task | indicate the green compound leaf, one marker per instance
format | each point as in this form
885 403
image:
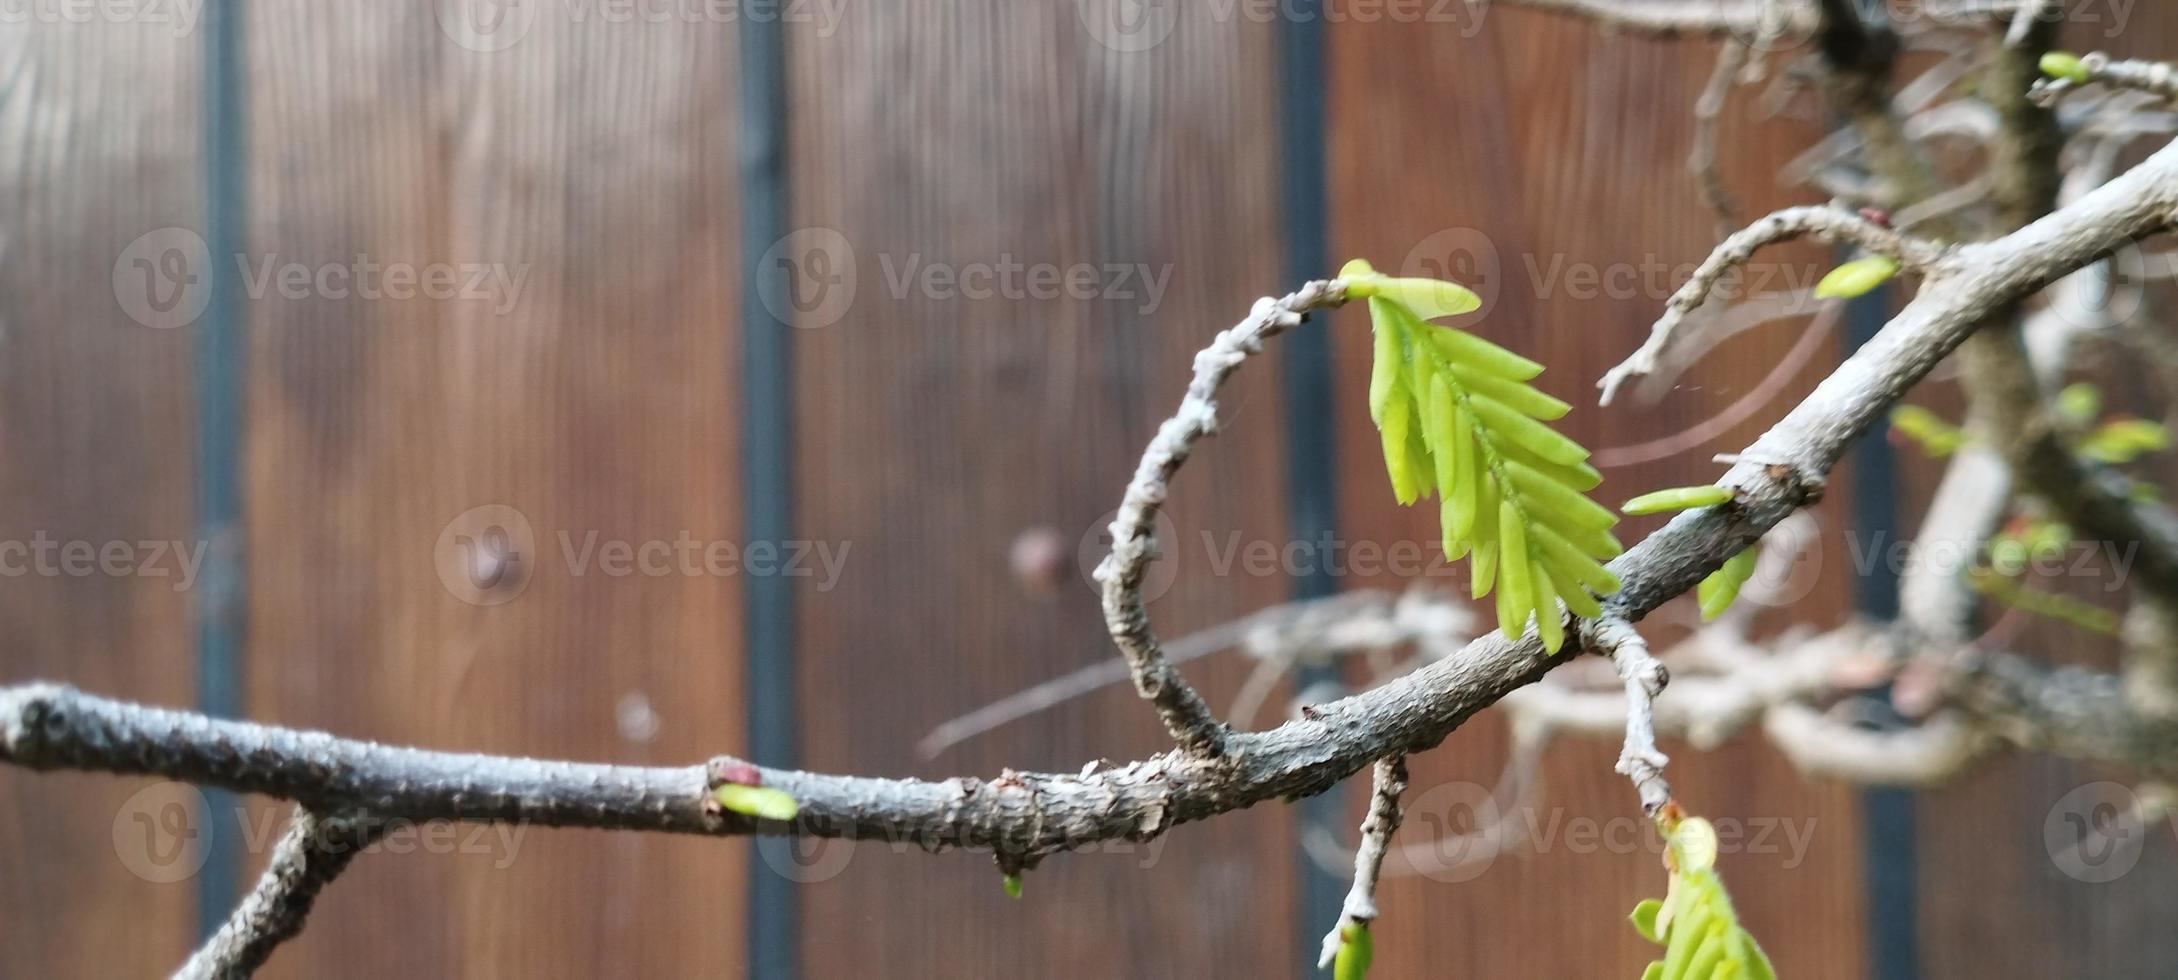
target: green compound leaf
761 802
1695 923
1856 278
1936 437
1676 498
1722 586
1459 420
2065 65
1356 951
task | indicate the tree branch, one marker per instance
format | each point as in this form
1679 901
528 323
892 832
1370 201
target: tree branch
1387 782
314 851
1134 537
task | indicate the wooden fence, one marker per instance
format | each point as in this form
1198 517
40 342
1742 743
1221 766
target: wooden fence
535 302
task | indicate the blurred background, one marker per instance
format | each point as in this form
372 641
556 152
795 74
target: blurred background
643 382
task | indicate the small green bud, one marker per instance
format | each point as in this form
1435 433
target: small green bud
1856 278
1356 952
2065 65
1676 498
1012 884
761 802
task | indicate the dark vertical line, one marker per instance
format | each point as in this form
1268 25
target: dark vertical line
220 380
1311 476
767 433
1889 871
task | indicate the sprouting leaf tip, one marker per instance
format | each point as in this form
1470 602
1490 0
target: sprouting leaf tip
1676 498
2065 65
761 802
1856 278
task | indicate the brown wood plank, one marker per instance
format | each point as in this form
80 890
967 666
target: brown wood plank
934 429
1562 150
99 120
595 160
1995 899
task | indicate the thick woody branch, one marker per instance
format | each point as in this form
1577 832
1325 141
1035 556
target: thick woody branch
315 850
1387 783
1134 535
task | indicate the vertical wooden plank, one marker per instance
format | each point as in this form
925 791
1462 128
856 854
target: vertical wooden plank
564 427
1528 155
99 117
2003 891
938 426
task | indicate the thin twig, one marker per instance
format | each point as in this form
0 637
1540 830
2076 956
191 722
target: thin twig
316 849
1387 782
1134 540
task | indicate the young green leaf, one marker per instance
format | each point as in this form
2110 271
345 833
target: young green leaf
1936 437
1695 923
1012 885
2065 65
1717 591
1856 278
1356 951
1459 419
2124 440
1676 498
761 802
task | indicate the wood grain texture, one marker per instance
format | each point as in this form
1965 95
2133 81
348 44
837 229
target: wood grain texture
1995 901
594 161
1547 162
936 428
99 125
